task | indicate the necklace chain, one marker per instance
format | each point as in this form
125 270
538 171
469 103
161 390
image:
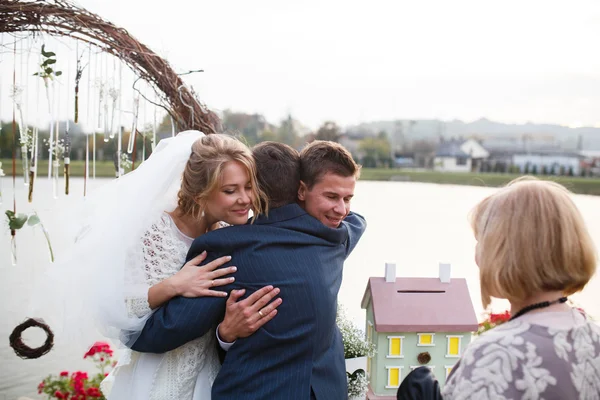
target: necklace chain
535 306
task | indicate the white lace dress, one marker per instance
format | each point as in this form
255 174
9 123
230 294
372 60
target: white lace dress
186 373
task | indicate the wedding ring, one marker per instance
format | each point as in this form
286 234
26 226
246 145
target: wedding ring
260 313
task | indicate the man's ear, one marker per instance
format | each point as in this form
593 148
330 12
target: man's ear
302 191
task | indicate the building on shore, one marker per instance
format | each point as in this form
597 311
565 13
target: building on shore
460 156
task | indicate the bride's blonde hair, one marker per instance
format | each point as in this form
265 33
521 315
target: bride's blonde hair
202 173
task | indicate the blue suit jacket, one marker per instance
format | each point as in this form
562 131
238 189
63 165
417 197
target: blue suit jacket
301 348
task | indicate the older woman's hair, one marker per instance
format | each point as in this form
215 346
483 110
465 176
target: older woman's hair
202 173
531 238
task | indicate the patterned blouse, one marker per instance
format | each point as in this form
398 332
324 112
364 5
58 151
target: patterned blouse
545 355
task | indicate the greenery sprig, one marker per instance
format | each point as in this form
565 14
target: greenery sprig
47 72
18 221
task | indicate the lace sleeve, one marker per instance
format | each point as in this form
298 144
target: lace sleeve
160 256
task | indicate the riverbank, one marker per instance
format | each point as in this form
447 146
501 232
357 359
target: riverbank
590 186
104 169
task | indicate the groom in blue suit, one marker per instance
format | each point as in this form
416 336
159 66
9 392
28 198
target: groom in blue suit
298 248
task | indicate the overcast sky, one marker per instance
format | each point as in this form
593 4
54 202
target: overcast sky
350 61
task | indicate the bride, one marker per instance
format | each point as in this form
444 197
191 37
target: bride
145 223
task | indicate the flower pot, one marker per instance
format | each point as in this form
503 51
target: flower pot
352 364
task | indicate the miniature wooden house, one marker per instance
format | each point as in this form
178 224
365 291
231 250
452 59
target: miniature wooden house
415 322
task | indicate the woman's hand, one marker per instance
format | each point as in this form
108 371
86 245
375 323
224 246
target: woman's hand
243 318
195 281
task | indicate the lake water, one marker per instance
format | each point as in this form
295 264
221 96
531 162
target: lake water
412 224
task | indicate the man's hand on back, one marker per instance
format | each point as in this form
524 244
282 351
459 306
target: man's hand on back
244 317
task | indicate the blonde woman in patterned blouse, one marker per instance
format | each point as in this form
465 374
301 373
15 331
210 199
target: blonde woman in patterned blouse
533 249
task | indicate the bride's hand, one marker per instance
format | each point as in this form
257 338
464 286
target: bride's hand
195 281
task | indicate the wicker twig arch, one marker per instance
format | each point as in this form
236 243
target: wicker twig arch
61 18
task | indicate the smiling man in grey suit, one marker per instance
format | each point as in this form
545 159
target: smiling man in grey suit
298 248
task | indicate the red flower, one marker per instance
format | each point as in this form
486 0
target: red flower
99 347
499 318
94 392
76 385
78 376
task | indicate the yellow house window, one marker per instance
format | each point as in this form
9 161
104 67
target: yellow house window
453 350
425 339
395 347
394 377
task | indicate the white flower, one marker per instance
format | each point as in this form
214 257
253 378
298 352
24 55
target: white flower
357 387
125 161
355 345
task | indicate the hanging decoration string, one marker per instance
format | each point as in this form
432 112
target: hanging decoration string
13 232
95 122
57 147
23 129
1 170
67 139
119 125
144 131
35 141
86 173
104 98
33 132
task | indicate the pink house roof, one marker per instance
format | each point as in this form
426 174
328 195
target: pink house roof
420 305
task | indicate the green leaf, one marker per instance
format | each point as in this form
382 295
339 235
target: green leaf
9 214
36 74
48 70
48 62
47 54
17 222
33 220
58 73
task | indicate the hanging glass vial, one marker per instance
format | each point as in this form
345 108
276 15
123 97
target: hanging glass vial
32 169
13 248
23 131
1 175
67 158
113 93
24 139
136 104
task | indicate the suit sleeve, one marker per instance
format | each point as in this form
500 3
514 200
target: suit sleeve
178 322
356 225
182 319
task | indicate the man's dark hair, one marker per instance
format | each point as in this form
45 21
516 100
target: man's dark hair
320 157
278 172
